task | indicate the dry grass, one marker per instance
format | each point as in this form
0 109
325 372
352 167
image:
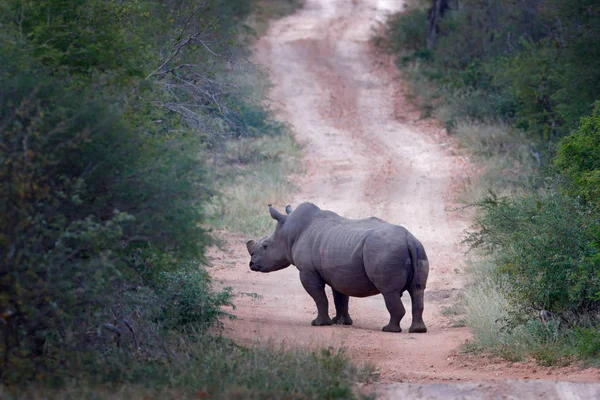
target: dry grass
266 10
505 158
490 315
263 179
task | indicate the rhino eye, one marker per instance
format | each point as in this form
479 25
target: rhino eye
264 246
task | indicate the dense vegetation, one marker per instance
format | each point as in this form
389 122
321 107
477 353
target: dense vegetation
517 82
116 121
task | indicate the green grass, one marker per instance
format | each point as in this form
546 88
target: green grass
215 368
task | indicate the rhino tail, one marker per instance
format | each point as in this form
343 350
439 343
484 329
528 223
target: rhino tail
412 249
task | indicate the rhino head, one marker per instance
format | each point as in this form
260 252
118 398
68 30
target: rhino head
269 253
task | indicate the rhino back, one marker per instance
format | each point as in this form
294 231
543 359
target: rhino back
356 257
365 257
337 255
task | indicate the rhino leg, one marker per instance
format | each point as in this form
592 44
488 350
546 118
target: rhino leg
396 310
341 308
416 296
315 286
417 326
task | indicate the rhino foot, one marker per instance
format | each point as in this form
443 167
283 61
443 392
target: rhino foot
391 328
342 320
319 321
417 328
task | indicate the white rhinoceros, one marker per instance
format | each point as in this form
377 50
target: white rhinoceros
356 258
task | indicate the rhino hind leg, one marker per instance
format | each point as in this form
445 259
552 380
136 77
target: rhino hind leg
417 326
341 308
417 299
396 310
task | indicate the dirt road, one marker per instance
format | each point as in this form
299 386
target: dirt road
367 154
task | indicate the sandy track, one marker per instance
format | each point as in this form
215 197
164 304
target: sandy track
367 154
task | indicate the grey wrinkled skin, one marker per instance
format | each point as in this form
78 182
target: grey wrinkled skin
356 258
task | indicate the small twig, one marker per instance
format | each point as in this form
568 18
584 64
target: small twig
178 48
206 47
137 346
113 329
170 70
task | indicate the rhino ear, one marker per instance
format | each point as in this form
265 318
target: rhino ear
250 244
276 215
288 209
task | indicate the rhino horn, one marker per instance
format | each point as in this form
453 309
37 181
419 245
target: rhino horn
288 209
276 215
250 244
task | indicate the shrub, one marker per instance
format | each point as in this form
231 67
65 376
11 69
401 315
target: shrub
531 64
587 342
90 206
405 32
578 158
189 302
547 244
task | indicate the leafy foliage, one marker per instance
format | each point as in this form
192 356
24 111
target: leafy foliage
189 303
578 157
409 36
531 63
547 245
102 179
82 192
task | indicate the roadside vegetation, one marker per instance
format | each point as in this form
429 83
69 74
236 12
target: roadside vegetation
518 84
129 131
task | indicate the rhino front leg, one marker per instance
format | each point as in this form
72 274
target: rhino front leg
341 308
396 310
315 286
416 297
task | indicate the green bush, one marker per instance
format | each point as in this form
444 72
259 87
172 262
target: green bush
89 207
587 342
102 191
578 158
81 37
189 303
547 244
531 64
254 120
505 326
406 33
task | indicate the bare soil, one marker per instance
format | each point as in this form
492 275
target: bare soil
369 154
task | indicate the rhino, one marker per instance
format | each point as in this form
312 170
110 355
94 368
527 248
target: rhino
355 257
